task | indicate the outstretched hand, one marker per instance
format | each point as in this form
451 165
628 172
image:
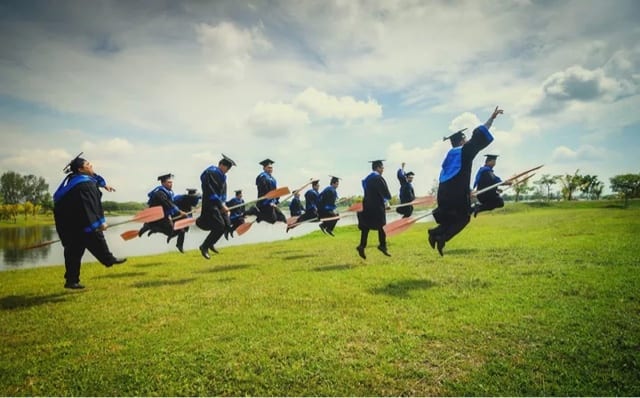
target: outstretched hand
496 112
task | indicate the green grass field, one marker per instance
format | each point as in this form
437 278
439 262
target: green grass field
529 300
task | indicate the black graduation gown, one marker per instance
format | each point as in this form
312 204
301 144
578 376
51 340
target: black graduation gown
214 193
373 214
487 178
295 207
407 194
80 208
165 225
77 215
454 193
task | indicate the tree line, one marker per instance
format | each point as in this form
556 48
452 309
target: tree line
29 194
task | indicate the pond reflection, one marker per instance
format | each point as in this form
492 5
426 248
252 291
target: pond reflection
13 239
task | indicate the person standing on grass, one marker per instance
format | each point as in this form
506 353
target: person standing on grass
374 205
163 195
267 209
236 216
454 202
327 205
484 178
186 203
79 219
407 194
215 214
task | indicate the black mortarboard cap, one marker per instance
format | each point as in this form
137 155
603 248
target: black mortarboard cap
227 161
191 191
491 157
267 162
376 163
456 137
411 173
315 182
165 177
238 192
334 179
74 164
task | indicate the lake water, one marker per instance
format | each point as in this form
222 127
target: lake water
13 239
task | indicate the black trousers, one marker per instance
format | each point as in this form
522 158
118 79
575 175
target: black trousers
74 248
406 211
328 225
308 215
364 236
450 222
494 203
270 214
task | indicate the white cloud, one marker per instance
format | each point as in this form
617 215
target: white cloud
324 105
563 154
229 49
276 119
118 146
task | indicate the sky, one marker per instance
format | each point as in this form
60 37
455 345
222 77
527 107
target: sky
146 88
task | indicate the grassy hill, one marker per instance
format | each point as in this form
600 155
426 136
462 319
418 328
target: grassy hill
528 300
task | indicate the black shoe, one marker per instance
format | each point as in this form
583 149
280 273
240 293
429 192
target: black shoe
204 252
440 245
383 249
180 248
75 286
476 210
361 252
115 261
169 238
323 229
330 232
213 249
432 241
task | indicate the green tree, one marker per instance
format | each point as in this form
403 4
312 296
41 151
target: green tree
521 189
570 183
628 185
11 187
34 189
547 181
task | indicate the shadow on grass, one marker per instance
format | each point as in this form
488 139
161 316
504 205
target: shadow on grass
12 302
147 265
402 289
459 251
223 268
336 267
163 283
298 256
122 275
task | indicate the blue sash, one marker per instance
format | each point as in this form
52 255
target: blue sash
69 183
451 165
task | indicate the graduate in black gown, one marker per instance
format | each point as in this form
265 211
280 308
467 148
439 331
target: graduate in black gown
186 203
163 195
485 177
373 215
236 216
452 213
327 205
80 221
407 193
215 214
267 209
311 198
295 207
